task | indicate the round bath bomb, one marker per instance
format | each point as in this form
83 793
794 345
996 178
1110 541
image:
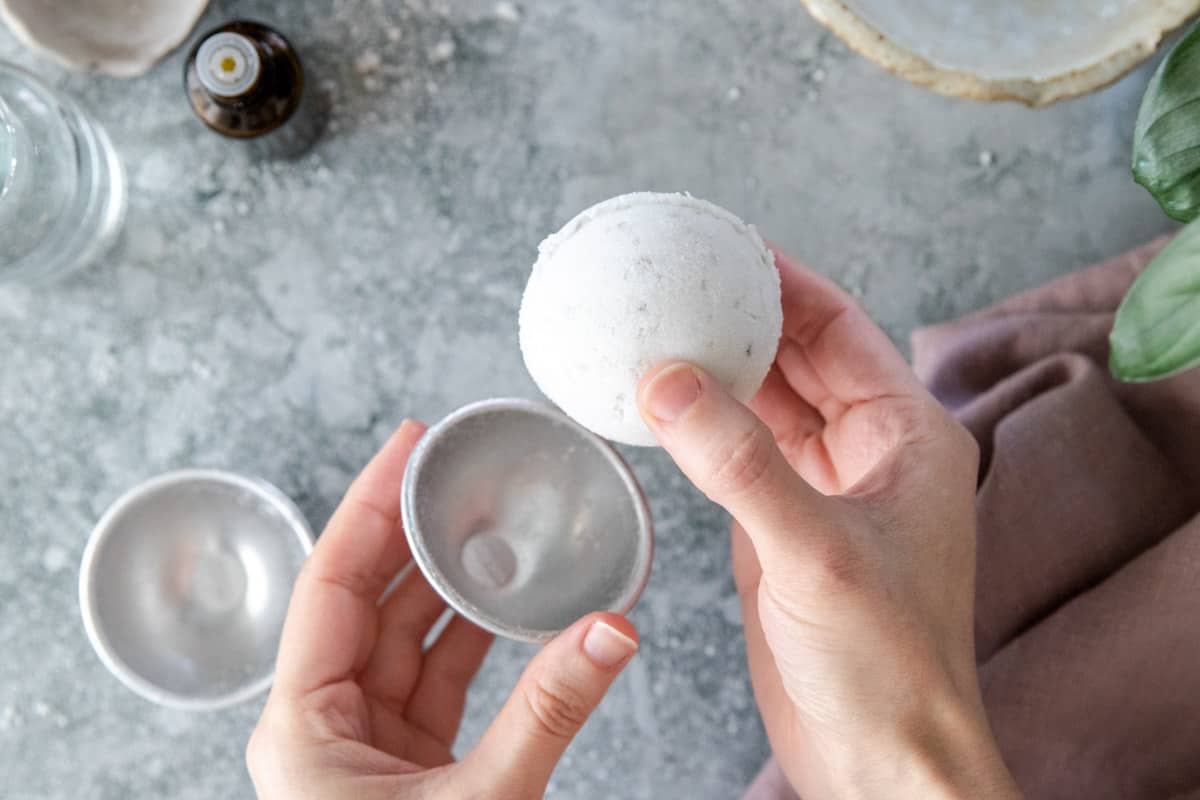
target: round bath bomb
642 279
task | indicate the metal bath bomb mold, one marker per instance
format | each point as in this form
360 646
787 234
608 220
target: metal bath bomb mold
523 520
185 584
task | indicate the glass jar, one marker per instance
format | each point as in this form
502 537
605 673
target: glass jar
62 190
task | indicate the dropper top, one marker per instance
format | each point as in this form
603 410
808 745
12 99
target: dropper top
228 64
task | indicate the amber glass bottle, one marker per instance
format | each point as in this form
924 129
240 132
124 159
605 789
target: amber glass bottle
244 79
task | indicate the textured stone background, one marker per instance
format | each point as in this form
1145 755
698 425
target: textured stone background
280 318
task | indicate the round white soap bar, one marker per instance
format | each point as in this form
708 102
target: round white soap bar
642 279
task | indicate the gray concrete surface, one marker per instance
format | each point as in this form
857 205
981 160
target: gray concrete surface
280 318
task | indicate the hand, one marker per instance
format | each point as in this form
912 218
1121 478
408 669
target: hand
360 710
854 553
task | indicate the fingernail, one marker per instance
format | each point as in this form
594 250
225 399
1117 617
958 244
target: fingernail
606 646
672 392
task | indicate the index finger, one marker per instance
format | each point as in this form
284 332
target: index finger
331 622
832 351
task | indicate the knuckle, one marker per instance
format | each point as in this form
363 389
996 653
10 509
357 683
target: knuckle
837 568
310 573
913 415
900 422
926 419
898 419
931 422
360 581
957 443
738 467
838 574
557 711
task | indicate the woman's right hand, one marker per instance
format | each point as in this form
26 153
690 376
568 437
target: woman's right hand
854 553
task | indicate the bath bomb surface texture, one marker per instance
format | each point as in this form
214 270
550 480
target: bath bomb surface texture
642 279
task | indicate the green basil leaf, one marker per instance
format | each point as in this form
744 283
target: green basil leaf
1157 330
1166 140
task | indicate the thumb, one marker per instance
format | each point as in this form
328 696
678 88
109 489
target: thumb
556 694
732 457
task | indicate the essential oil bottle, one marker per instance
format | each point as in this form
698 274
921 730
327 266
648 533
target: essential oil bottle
244 80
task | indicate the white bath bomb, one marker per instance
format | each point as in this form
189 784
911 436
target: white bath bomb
642 279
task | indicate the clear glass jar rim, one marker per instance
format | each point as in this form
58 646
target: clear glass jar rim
8 135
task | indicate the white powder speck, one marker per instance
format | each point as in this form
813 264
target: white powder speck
734 94
8 718
15 303
507 12
40 708
155 172
201 369
55 559
394 34
819 75
443 51
710 650
372 83
986 158
368 62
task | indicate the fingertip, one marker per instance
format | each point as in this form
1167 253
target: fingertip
578 629
661 368
618 623
609 641
668 391
649 375
784 261
556 694
410 429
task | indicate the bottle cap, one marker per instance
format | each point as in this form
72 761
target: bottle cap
228 64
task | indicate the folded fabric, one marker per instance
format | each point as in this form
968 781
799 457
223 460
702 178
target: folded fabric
1088 593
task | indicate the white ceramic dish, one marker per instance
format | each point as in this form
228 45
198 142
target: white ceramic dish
117 37
1032 51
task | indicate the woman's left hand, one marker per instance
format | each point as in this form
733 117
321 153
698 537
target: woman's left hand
361 710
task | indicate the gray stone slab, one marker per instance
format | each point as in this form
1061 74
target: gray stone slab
280 319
